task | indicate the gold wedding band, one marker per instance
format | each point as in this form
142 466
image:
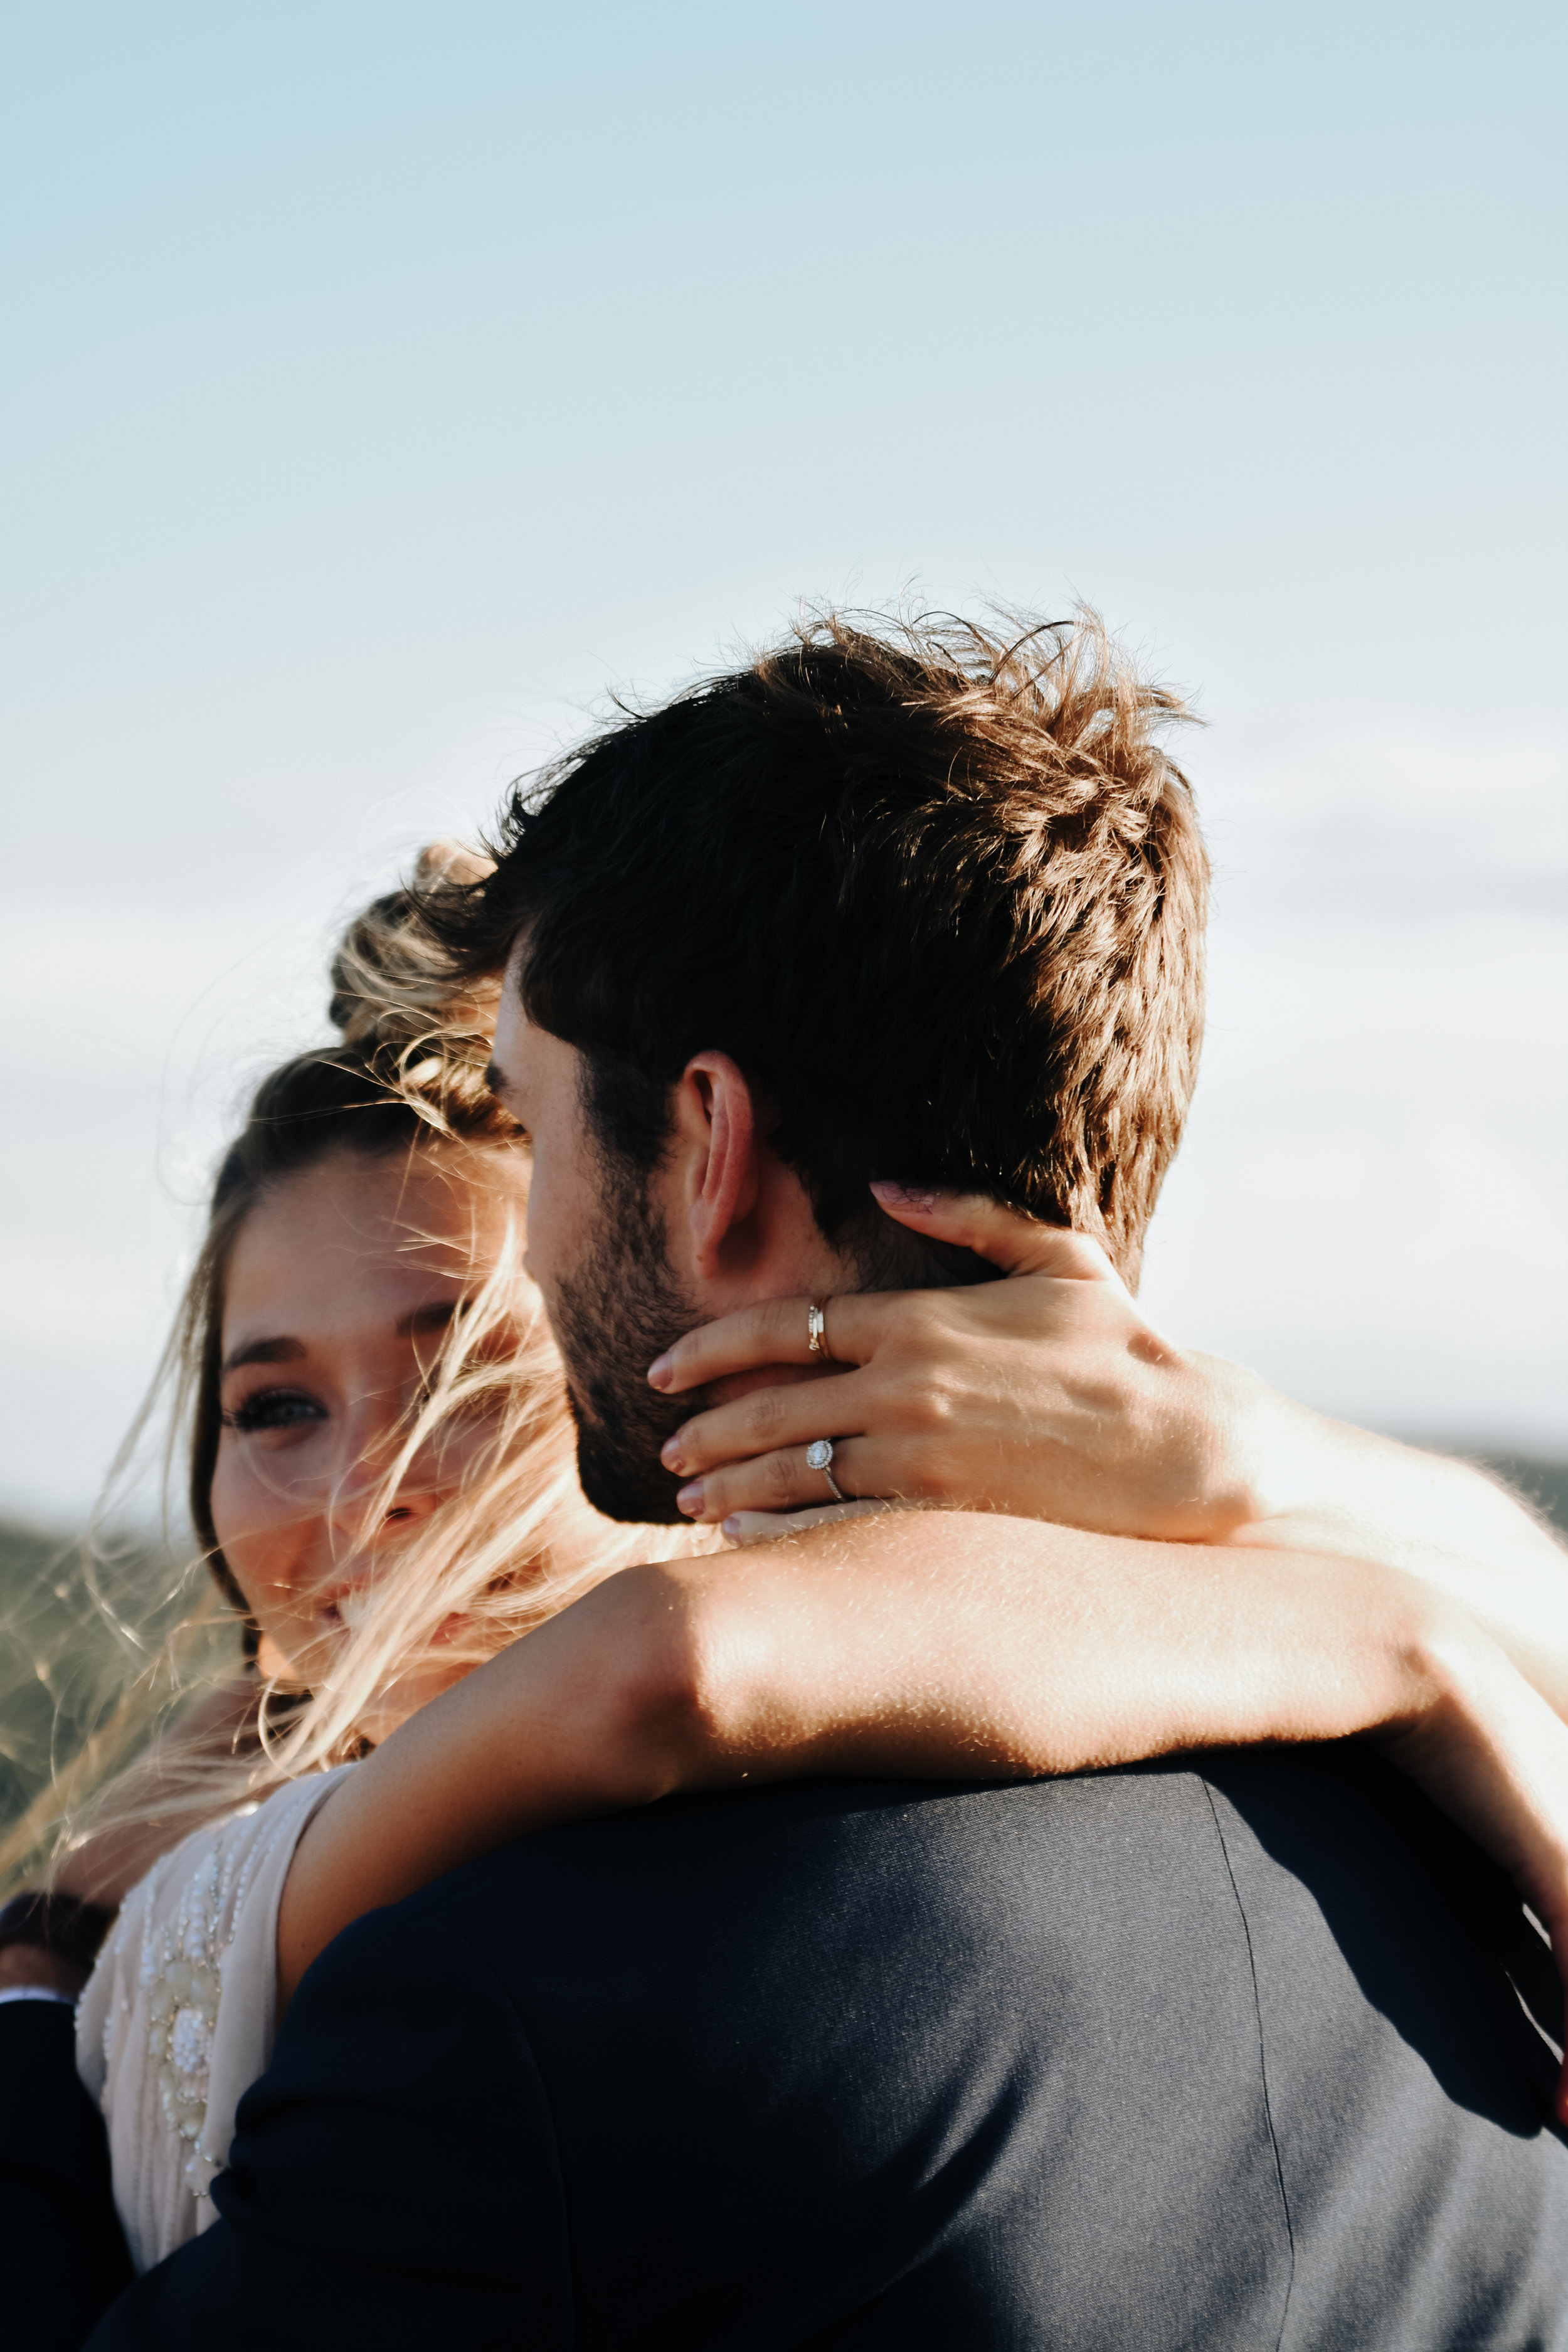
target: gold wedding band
816 1332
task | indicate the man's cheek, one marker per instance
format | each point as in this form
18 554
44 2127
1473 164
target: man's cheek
558 1220
537 1257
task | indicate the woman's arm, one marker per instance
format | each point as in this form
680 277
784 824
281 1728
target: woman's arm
27 1968
1049 1395
929 1644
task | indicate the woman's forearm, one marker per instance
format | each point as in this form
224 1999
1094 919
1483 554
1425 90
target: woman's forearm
919 1643
591 1712
1359 1497
1050 1396
996 1648
926 1642
1334 1488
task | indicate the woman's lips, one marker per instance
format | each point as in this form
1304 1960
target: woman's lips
349 1612
346 1613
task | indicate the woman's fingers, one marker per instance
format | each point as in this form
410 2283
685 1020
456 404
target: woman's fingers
778 1331
764 1420
774 1331
786 1481
1005 1237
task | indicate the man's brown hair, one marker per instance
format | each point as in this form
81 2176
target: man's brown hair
934 886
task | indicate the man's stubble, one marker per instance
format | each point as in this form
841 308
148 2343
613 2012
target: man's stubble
619 1310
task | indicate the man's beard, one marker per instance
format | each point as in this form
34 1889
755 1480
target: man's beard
620 1309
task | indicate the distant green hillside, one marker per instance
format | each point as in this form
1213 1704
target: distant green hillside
64 1667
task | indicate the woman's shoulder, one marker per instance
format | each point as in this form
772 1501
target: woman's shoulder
177 2017
202 1882
178 1921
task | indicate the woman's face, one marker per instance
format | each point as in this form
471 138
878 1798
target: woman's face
341 1285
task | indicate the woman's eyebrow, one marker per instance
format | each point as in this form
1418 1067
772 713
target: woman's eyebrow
433 1317
264 1351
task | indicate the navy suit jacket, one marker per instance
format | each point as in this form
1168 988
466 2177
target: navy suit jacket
62 2256
1230 2051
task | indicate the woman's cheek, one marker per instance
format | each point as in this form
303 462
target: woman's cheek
257 1536
447 1462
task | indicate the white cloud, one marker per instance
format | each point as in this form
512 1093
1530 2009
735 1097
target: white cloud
1370 1202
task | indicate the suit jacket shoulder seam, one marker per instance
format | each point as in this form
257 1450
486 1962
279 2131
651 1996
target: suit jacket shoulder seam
1262 2058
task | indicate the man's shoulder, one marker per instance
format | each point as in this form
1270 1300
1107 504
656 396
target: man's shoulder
1307 1896
1117 2045
1139 1829
764 1852
1028 1924
1091 1852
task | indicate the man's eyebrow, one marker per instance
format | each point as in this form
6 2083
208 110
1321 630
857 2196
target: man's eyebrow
496 1079
264 1351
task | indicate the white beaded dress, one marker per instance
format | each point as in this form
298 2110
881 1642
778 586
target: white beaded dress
178 2019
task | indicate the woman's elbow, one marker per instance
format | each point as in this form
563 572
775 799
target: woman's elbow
676 1679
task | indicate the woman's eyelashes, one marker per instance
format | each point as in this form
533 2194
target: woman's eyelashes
272 1408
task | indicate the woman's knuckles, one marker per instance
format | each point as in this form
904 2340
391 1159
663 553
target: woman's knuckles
737 1489
761 1414
781 1477
779 1327
688 1362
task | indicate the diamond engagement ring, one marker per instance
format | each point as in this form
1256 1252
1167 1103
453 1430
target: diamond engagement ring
819 1457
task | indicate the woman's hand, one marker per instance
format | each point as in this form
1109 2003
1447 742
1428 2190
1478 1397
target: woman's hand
25 1968
1051 1396
1047 1396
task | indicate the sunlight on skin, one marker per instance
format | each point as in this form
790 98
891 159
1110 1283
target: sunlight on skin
763 1240
342 1283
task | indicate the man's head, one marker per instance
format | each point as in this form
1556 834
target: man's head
911 901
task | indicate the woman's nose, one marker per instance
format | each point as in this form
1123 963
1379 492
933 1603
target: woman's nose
361 1506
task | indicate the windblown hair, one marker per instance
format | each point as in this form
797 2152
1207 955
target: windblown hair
937 889
408 1077
409 1071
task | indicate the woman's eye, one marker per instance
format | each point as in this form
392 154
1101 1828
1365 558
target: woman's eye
272 1408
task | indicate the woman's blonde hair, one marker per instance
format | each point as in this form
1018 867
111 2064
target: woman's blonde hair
407 1078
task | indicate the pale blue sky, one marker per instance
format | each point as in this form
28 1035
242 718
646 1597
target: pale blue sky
384 382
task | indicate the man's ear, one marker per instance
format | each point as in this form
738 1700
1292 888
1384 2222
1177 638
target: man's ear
715 1124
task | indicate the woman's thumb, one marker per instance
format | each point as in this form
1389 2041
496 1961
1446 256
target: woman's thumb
1003 1236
